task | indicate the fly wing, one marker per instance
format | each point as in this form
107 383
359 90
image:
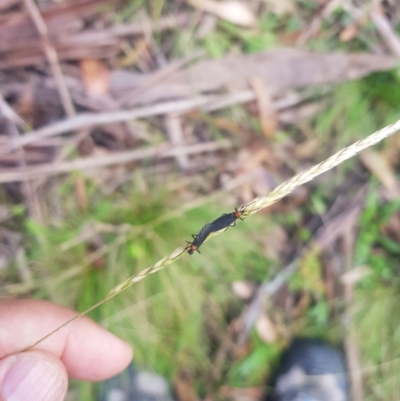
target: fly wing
202 235
223 222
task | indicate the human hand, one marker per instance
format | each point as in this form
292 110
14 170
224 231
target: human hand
83 350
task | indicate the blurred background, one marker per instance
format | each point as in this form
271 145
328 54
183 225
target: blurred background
125 126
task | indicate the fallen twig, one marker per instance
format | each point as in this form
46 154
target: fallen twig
175 133
8 112
91 120
90 43
386 30
162 151
51 56
318 20
120 31
12 119
208 103
349 279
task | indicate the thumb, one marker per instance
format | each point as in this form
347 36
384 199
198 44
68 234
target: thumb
33 375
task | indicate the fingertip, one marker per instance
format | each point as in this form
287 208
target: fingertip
33 375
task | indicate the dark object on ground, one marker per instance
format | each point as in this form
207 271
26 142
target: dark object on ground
133 385
310 370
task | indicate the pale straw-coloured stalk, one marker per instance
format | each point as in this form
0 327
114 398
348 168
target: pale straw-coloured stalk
250 208
307 175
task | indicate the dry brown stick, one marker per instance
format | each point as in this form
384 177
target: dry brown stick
12 119
63 154
208 103
51 56
120 31
317 21
174 128
8 112
46 170
351 342
90 120
106 36
386 30
349 279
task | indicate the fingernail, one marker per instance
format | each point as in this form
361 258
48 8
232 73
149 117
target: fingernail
31 378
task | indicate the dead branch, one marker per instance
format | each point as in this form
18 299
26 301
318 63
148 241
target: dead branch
12 119
91 120
120 31
174 128
21 52
386 31
8 112
51 56
207 103
158 152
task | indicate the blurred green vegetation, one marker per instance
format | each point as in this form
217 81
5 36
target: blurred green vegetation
167 316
